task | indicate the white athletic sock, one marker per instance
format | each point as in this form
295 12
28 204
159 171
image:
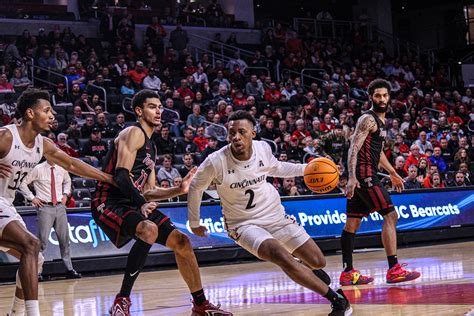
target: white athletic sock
18 307
32 308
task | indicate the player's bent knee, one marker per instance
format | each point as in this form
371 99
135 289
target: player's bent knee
147 231
31 246
320 263
352 224
276 254
316 263
391 217
179 241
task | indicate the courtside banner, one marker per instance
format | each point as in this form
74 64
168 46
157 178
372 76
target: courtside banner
321 216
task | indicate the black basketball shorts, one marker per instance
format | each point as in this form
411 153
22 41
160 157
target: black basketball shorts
119 222
367 200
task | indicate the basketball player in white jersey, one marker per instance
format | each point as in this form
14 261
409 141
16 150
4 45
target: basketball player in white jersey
254 215
21 148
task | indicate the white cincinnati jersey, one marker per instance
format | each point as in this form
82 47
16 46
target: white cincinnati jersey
246 196
22 160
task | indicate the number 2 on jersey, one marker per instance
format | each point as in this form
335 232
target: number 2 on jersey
19 176
250 202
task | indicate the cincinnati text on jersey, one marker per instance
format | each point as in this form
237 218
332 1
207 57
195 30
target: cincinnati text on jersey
245 183
24 164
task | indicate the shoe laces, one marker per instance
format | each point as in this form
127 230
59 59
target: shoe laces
400 269
125 304
211 306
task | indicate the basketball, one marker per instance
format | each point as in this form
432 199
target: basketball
321 175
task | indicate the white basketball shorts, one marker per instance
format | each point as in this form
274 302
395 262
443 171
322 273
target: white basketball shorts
8 214
290 235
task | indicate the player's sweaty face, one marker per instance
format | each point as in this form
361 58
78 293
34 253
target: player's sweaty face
43 115
152 111
241 133
380 99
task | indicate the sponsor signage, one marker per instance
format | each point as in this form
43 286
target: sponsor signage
322 217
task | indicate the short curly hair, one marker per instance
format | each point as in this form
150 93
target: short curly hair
138 99
377 84
242 115
29 99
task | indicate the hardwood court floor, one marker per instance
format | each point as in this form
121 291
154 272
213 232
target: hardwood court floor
446 287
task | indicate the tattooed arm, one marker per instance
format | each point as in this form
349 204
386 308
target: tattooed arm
365 125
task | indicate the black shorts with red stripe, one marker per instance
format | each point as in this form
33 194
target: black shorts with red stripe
119 222
369 198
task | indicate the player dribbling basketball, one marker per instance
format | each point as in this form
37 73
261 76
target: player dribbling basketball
254 215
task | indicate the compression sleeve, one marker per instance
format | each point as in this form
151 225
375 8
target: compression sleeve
124 183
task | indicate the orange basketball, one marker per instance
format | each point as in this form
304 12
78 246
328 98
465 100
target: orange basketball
321 175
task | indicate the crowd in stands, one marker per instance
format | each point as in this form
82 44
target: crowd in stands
430 141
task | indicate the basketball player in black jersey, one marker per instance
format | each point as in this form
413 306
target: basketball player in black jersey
128 212
364 192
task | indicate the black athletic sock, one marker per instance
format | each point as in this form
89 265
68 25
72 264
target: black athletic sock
347 246
135 262
392 261
332 296
320 273
199 297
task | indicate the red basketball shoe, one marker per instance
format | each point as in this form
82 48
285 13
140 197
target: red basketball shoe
121 306
397 274
209 309
354 277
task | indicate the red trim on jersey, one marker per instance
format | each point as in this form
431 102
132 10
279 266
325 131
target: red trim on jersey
379 192
103 218
115 217
164 219
374 198
111 225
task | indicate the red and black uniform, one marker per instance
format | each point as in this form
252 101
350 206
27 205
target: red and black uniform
372 196
116 214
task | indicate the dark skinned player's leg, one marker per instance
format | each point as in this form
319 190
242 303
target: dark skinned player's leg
313 258
389 237
15 236
187 263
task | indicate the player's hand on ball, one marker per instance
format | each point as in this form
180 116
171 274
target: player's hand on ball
351 185
148 208
5 171
200 231
187 180
397 182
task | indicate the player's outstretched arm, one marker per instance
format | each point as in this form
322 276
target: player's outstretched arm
204 176
154 193
365 125
73 165
281 169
